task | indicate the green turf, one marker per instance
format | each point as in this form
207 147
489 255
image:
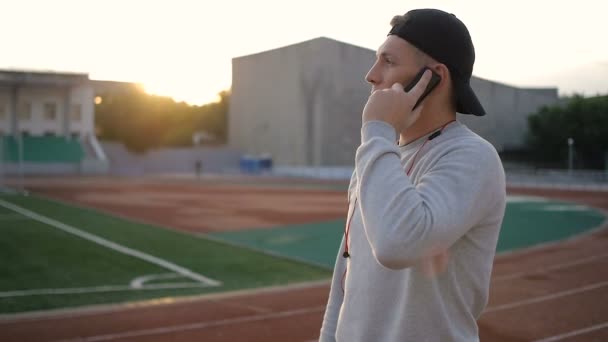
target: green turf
316 242
530 223
526 224
4 211
35 256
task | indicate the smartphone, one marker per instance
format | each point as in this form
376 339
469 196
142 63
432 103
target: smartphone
435 78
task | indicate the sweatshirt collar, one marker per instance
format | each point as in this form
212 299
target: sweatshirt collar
418 142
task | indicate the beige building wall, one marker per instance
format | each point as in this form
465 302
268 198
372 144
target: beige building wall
506 123
342 94
266 114
302 104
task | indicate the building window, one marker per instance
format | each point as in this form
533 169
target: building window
25 110
2 110
75 135
50 111
49 134
76 112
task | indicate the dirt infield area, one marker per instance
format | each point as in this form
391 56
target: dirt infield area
556 292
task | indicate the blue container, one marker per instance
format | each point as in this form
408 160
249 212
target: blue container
266 162
245 164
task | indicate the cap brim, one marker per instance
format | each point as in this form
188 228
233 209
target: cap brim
466 100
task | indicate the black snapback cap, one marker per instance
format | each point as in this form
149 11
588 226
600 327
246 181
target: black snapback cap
444 37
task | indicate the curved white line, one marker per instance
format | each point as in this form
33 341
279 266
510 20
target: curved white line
138 282
112 245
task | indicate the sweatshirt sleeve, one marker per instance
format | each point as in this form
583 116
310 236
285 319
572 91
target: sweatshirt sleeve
334 303
403 222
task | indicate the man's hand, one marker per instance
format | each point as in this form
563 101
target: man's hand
394 105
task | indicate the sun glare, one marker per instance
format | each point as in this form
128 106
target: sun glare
193 95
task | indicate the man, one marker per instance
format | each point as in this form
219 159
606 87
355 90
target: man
424 214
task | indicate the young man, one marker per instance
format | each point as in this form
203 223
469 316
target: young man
424 214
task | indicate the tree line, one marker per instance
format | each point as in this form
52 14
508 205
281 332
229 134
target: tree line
143 121
584 120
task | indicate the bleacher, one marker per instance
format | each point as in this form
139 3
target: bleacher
41 149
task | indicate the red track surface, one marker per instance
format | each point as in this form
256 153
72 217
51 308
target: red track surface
559 291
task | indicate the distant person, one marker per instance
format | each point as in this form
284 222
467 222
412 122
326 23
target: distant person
198 165
425 212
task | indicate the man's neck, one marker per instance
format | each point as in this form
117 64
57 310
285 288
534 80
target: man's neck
426 124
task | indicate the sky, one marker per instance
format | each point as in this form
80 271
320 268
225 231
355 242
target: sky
183 49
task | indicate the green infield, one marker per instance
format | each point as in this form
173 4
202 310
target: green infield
528 221
53 255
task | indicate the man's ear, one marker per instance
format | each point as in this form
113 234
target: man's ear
444 72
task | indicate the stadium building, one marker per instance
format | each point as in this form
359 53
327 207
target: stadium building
302 104
47 123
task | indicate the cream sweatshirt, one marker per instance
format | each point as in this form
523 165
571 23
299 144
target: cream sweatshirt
454 199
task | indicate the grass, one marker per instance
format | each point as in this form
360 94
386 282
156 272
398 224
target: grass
34 255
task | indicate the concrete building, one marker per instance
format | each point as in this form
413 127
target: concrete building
506 123
46 103
302 104
47 127
47 123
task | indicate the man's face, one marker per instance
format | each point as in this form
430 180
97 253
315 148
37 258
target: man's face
396 62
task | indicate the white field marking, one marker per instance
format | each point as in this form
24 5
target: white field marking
200 325
551 268
97 289
564 207
524 199
99 309
546 297
574 333
112 245
138 282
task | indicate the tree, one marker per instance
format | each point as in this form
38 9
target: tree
583 119
142 121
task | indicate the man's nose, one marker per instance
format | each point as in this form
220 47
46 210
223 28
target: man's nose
372 76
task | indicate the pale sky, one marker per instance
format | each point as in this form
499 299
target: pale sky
184 48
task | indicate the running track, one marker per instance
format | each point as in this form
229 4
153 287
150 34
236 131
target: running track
557 292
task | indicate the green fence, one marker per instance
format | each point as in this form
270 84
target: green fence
45 149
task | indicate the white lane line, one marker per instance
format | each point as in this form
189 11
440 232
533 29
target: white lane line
574 333
101 309
200 325
551 268
112 245
546 297
97 289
